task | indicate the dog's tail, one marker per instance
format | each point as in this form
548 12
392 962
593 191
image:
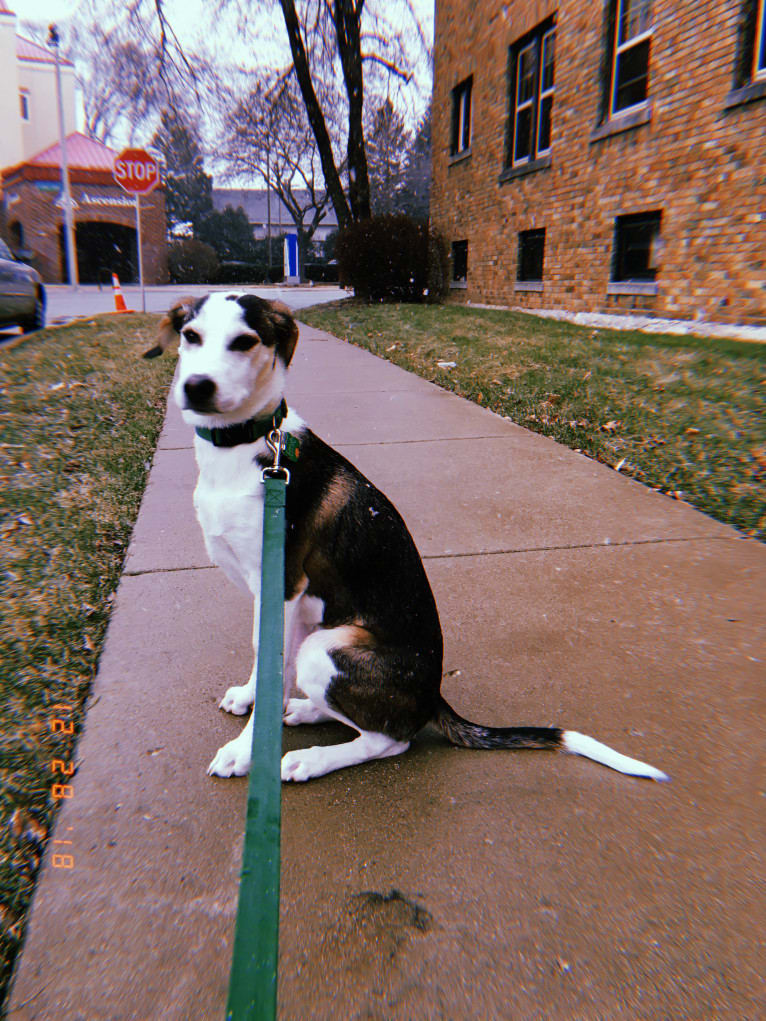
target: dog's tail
472 735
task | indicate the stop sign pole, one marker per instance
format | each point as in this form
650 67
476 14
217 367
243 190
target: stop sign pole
137 173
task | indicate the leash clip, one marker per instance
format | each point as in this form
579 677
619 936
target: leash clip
274 441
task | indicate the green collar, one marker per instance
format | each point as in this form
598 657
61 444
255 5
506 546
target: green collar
244 432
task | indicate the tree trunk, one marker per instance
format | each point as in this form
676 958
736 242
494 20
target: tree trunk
314 112
347 17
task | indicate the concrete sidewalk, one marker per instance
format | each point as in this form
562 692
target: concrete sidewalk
444 884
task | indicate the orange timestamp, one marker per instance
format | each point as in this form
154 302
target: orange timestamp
62 769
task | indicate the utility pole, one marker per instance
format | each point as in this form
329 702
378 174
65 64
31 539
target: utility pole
71 250
268 212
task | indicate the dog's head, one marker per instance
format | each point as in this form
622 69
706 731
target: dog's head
234 351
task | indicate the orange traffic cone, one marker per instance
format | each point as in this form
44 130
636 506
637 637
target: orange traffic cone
119 301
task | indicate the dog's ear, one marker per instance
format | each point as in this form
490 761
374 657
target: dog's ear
285 330
170 325
272 321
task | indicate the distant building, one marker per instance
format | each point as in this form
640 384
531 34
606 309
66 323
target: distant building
31 211
105 217
604 155
28 104
255 204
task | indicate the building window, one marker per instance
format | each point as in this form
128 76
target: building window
636 247
630 54
459 262
750 65
759 50
461 117
531 90
24 102
531 252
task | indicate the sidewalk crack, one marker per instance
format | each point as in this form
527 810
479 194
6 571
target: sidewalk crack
581 545
169 570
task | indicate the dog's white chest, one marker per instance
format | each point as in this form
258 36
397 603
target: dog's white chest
229 505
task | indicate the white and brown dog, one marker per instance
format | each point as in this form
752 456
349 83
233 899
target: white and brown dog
363 642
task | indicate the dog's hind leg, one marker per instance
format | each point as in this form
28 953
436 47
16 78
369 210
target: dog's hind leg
306 763
316 670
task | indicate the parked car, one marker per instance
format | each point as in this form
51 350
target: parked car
22 295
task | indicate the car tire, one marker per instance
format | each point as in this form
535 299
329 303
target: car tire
37 320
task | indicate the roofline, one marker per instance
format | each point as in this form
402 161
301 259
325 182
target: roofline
77 175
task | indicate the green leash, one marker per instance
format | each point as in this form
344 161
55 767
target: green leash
253 980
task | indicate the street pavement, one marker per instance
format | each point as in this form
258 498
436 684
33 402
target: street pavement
64 303
445 883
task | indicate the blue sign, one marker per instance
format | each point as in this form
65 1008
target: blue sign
291 256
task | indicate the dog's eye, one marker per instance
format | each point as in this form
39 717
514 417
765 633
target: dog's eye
243 342
192 337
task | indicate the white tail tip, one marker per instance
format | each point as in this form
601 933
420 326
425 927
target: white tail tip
581 744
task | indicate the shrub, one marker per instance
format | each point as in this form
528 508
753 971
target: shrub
241 273
392 258
229 233
321 273
192 262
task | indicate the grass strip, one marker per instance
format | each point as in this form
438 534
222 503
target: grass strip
80 413
683 415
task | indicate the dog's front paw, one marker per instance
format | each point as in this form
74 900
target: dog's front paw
237 700
233 759
298 765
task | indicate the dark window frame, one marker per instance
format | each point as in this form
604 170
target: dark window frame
459 256
759 49
536 42
530 254
749 79
462 125
629 244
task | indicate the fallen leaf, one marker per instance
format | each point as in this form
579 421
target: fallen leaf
620 464
24 826
610 427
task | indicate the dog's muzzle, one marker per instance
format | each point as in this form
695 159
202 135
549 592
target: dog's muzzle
200 393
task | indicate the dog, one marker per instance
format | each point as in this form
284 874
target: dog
363 641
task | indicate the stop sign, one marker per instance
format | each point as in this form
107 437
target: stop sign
136 171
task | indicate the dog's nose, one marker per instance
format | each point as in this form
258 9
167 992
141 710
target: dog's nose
199 391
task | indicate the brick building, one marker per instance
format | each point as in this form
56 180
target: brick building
105 217
604 155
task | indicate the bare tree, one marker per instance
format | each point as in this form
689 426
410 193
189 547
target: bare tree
336 47
353 34
267 135
127 69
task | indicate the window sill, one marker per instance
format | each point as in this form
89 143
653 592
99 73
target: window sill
459 157
647 287
747 94
511 173
623 122
529 285
458 285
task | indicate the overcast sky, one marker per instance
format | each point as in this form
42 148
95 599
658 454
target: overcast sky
182 12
